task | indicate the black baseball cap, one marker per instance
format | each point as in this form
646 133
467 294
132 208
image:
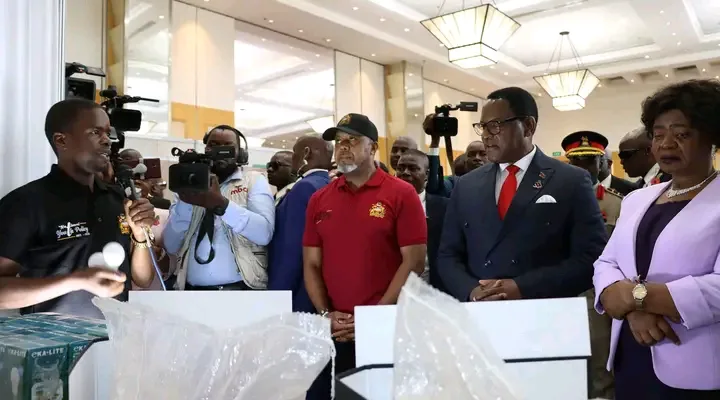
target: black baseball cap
353 124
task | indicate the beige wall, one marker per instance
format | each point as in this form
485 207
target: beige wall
610 112
84 35
202 76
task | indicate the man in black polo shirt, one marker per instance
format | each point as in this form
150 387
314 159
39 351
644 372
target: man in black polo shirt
52 225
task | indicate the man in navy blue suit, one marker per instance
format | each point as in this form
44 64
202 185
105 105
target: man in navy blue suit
311 159
524 226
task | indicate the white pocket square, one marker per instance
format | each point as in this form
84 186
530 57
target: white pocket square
546 198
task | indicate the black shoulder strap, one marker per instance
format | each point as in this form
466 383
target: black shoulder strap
207 227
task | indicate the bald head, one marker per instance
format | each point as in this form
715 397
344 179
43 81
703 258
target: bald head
129 155
635 153
312 152
399 147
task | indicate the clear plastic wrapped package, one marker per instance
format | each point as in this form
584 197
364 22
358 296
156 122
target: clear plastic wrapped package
161 356
441 354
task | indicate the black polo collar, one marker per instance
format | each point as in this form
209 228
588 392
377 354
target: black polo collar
64 184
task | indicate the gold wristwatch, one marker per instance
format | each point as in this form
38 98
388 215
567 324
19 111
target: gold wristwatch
639 292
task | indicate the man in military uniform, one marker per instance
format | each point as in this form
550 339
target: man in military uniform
586 149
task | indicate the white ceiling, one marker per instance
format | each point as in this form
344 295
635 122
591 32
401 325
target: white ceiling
625 42
637 39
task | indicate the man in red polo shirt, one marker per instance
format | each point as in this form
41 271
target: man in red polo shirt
364 233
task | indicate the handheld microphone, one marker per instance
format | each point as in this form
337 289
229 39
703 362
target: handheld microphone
125 176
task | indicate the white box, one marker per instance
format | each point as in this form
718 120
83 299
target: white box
545 342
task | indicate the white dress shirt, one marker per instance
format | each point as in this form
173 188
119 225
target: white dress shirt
607 182
647 179
426 272
502 174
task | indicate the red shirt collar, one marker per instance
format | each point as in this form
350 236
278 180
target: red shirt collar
375 180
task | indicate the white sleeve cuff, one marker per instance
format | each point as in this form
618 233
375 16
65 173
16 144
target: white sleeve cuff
433 151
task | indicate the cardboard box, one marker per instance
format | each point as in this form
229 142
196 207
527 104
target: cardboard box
38 352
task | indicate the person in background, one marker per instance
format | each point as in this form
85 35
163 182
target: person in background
364 233
311 159
476 155
638 160
155 187
526 226
610 181
413 169
586 150
219 235
399 147
659 275
166 262
280 173
53 225
459 166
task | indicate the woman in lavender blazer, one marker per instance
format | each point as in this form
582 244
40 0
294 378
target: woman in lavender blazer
659 275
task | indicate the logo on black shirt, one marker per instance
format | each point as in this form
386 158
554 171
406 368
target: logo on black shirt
72 230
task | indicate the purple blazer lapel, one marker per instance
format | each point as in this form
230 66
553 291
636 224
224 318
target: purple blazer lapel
640 200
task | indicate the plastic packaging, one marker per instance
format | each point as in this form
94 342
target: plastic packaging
440 353
161 356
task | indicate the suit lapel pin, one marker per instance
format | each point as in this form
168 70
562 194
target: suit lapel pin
538 185
542 175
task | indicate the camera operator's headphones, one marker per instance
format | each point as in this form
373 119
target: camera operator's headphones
242 156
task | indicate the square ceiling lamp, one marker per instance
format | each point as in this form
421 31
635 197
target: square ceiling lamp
568 89
474 35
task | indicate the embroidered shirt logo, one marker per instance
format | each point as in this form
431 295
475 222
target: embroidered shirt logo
377 210
123 224
72 230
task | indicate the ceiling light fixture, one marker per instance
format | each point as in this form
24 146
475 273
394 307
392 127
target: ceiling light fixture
207 1
667 75
328 40
703 70
300 31
472 89
668 24
679 43
632 80
662 12
410 74
674 33
355 8
472 36
317 55
407 29
270 21
445 80
568 89
162 17
372 55
646 57
319 125
505 73
600 85
382 19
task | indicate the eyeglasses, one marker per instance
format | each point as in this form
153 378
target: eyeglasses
626 154
493 127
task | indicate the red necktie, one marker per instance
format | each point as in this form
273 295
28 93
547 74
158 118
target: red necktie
507 192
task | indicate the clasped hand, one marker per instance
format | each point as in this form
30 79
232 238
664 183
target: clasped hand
496 289
210 199
647 328
342 326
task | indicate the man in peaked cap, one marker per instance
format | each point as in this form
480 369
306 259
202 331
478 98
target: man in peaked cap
586 149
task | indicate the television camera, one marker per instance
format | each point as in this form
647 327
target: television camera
192 172
445 125
121 120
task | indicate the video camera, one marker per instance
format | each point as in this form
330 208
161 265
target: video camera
445 125
121 120
192 172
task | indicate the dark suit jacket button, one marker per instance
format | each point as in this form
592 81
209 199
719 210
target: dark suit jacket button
466 225
487 263
514 262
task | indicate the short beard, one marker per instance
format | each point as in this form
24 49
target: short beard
223 170
347 168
